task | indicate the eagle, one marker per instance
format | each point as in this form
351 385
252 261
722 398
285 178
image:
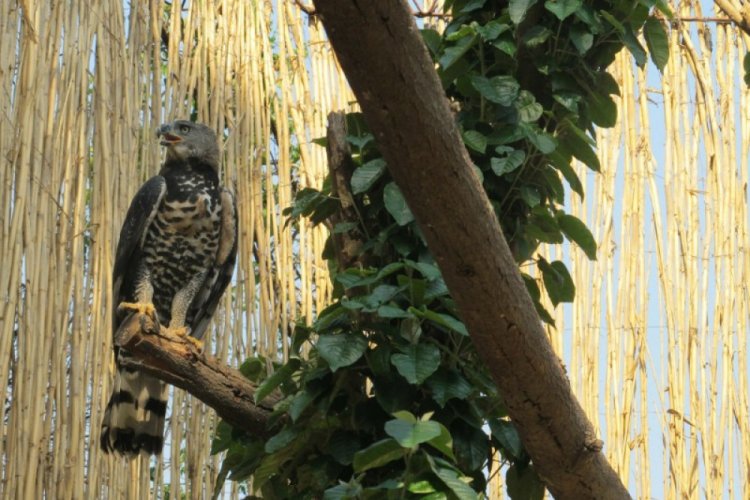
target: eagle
175 257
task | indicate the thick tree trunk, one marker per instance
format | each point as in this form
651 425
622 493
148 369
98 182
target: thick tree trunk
393 77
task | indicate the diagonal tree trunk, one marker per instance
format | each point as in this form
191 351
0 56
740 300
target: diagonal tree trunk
388 67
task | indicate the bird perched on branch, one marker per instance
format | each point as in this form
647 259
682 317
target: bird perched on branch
175 258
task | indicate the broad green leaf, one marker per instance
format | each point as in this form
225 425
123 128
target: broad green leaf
617 25
528 109
280 440
524 484
542 141
441 319
509 163
530 195
562 8
557 281
378 454
473 5
432 39
455 52
471 445
492 30
448 384
409 434
577 231
341 350
475 140
656 40
635 47
582 38
518 8
343 491
421 487
455 482
222 437
502 90
252 368
464 30
536 36
396 204
386 311
277 378
443 442
365 176
507 435
417 362
579 145
301 401
602 110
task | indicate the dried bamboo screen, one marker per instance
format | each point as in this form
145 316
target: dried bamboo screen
655 343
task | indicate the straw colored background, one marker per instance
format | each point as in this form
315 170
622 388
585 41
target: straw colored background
655 344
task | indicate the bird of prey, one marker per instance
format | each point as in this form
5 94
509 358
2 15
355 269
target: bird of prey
175 258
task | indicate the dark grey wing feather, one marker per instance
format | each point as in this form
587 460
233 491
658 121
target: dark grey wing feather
207 299
141 213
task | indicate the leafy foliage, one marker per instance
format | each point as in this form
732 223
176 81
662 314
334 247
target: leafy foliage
392 400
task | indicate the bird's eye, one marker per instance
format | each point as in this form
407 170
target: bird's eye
184 129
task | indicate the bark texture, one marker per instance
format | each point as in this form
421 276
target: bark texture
392 75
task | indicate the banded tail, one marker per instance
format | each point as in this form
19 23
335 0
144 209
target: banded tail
133 422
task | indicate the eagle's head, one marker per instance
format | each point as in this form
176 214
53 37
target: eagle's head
187 140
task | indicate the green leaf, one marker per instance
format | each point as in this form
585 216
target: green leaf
557 281
509 163
277 378
542 141
562 8
432 39
617 25
448 384
341 350
518 8
582 38
492 30
443 442
343 491
528 109
252 368
281 440
657 42
396 204
475 140
635 47
577 231
530 195
536 36
455 482
502 90
473 5
378 454
507 435
387 311
602 110
524 484
222 438
578 144
471 445
365 176
300 402
417 362
421 487
454 53
410 435
441 319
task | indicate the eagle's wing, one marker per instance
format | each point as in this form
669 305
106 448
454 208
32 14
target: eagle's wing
141 213
217 279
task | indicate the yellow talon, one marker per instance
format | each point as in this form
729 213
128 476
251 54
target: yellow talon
140 307
184 333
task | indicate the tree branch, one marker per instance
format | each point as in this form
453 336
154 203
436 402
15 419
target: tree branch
179 362
406 108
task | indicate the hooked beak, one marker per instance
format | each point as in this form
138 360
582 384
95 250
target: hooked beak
167 137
